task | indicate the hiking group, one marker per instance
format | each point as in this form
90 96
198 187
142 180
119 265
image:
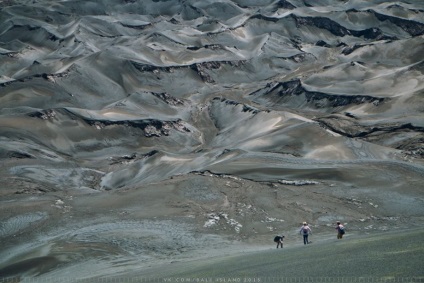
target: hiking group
305 231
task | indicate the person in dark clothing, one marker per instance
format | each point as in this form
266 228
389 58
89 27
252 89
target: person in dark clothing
305 231
340 230
279 240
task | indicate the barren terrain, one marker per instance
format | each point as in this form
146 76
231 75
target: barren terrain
138 134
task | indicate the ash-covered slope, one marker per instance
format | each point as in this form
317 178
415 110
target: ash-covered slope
124 121
84 83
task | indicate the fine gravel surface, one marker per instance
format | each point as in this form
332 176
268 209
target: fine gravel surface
381 257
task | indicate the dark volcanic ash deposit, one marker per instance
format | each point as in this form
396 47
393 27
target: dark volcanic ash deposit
220 123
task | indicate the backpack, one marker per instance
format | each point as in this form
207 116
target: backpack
277 238
305 230
341 230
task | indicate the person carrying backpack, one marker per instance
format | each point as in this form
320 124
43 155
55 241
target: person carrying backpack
279 240
305 231
340 230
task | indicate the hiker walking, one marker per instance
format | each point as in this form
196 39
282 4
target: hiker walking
305 231
340 230
279 240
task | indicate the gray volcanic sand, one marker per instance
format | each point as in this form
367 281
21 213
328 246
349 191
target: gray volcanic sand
384 257
139 134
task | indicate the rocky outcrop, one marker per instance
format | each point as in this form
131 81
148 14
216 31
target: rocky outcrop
412 27
339 30
402 136
284 4
352 129
150 127
246 108
294 88
202 69
169 99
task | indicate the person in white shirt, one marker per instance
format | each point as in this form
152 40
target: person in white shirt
305 231
340 230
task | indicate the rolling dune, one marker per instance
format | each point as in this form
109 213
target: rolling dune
138 133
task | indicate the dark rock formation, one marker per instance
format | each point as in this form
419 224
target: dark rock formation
349 49
201 70
169 99
322 43
339 30
246 108
19 155
379 134
412 27
323 23
289 89
150 127
43 114
284 4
